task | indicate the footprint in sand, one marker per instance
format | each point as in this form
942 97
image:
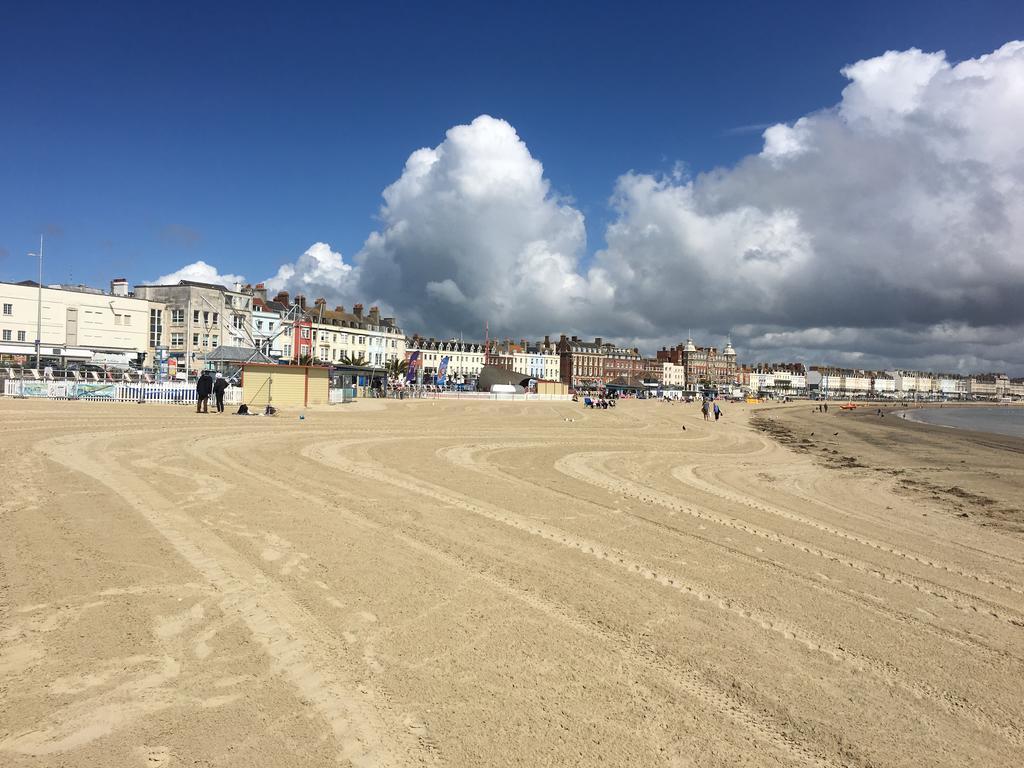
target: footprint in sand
153 757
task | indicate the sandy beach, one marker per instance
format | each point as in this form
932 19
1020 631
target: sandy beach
507 584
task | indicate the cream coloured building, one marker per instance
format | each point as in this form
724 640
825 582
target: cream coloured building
465 358
673 375
80 324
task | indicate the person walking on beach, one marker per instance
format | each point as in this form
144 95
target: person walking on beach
204 386
718 412
704 410
219 385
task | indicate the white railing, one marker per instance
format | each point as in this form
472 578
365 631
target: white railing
492 396
170 392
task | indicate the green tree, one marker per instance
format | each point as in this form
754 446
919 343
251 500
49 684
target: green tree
397 367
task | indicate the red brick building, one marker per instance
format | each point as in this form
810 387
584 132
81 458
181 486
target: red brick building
704 365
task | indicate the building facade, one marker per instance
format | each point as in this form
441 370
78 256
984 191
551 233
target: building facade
79 324
705 366
465 358
199 317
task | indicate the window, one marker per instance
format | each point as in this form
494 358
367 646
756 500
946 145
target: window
305 349
7 334
127 319
304 333
21 336
270 325
287 350
177 316
117 319
238 321
206 339
195 339
215 341
259 325
195 315
156 327
8 309
177 339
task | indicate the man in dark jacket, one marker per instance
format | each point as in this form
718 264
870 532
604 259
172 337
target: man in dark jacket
203 389
219 385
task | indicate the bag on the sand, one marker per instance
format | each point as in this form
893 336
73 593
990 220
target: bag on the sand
243 410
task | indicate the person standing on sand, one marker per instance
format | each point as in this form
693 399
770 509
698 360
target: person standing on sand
718 412
704 410
219 385
204 386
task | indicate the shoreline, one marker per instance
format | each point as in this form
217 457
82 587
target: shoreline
957 470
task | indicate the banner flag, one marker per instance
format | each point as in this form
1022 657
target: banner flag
414 361
442 371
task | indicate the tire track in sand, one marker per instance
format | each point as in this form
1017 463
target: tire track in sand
689 681
887 673
301 650
688 475
575 465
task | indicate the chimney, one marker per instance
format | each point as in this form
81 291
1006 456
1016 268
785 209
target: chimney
547 341
357 310
575 338
300 300
238 287
119 287
522 344
375 315
598 341
340 309
260 291
283 298
321 302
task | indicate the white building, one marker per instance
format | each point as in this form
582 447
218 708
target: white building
536 363
856 383
79 324
673 375
465 358
884 385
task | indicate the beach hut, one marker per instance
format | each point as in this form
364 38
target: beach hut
284 385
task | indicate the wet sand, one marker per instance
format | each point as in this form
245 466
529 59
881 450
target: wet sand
489 584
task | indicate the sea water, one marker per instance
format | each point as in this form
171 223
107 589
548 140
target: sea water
999 421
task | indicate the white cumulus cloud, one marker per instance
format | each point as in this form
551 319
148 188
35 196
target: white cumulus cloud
200 272
888 227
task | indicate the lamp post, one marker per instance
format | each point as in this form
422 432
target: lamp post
39 308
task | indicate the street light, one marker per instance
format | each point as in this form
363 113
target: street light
39 308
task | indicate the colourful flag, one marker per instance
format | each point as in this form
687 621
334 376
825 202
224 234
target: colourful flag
414 361
442 371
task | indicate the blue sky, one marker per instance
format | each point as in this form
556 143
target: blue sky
143 136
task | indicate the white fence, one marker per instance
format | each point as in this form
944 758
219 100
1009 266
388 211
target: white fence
171 392
491 396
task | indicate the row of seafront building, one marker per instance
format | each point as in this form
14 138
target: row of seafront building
198 325
791 379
